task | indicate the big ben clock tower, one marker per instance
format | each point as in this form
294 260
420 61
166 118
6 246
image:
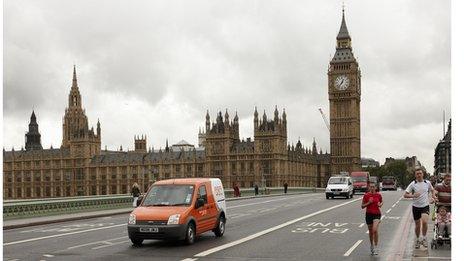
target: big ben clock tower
344 81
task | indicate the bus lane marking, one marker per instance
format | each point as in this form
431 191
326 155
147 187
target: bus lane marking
269 230
334 228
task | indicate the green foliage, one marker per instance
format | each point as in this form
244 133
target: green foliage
397 169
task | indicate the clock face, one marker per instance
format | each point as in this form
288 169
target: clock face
342 82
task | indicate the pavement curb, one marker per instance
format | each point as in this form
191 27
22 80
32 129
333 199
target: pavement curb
123 211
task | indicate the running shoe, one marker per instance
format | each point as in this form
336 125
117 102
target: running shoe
425 243
372 250
375 251
418 243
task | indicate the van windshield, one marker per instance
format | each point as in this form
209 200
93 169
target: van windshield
337 180
359 179
169 195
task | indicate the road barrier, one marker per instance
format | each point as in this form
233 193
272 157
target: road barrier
13 209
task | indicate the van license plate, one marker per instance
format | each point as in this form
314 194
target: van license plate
336 193
149 229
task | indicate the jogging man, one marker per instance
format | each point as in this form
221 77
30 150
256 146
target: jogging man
419 190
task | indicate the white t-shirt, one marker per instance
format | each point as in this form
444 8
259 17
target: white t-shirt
423 188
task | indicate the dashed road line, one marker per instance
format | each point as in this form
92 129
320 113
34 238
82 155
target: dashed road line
96 242
348 253
60 235
109 244
267 201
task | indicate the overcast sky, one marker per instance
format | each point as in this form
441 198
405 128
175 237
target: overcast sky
155 67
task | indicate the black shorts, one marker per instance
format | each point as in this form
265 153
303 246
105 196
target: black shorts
417 212
370 218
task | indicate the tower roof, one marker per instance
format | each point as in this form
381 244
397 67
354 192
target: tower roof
74 81
33 118
343 33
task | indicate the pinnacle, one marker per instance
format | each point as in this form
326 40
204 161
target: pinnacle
343 33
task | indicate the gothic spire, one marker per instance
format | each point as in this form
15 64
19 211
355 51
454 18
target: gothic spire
74 83
343 33
33 118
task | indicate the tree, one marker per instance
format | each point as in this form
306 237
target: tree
397 169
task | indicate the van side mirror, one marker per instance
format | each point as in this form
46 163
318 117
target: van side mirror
200 203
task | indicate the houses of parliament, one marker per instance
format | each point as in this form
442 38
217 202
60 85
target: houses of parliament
80 167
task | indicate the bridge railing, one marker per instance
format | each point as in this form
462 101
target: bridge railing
13 209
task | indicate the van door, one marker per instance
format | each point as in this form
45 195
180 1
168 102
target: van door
204 215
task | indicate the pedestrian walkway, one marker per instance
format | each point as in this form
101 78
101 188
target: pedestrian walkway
441 253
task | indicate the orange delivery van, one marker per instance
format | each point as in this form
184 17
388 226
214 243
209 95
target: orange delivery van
179 209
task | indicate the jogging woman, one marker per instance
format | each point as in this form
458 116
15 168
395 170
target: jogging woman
372 201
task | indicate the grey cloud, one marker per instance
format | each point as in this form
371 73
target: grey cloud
169 61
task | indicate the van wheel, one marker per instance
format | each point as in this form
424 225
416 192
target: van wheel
190 234
326 196
352 195
136 241
221 227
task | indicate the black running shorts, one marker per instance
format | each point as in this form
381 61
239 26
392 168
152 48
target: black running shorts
370 218
417 212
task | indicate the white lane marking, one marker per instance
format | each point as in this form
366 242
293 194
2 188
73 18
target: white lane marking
388 211
267 201
267 231
47 255
348 253
96 242
361 225
189 259
60 235
108 244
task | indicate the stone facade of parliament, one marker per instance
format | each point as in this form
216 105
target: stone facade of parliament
80 167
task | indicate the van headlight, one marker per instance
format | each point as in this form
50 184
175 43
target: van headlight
174 219
345 190
132 219
327 190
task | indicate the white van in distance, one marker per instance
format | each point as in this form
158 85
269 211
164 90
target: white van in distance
340 186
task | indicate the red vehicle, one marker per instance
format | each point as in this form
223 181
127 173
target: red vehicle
360 180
